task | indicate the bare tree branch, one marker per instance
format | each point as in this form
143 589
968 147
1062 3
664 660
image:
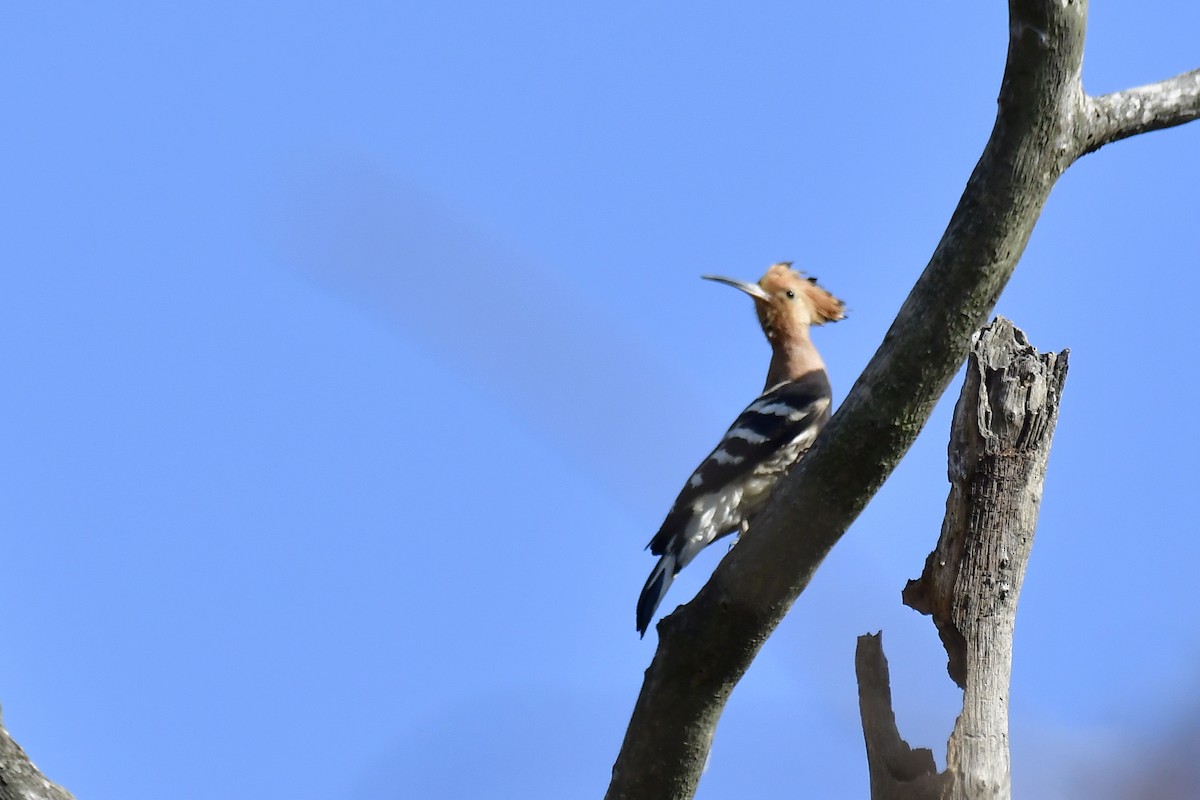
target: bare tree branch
20 779
706 647
999 444
1119 115
898 772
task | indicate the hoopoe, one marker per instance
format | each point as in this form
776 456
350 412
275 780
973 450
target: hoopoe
733 483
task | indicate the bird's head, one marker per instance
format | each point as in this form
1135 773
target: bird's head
787 301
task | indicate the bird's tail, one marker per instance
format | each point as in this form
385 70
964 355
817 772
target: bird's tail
655 589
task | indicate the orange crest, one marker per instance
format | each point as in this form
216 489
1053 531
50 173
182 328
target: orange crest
822 306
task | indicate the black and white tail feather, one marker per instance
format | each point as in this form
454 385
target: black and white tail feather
736 479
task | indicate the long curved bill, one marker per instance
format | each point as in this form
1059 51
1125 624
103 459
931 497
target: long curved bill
752 289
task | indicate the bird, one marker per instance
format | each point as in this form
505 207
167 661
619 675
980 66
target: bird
766 440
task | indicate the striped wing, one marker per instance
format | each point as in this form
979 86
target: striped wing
791 413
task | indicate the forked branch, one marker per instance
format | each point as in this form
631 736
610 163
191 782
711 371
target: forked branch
704 649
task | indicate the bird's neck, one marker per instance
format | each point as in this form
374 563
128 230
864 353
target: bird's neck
791 357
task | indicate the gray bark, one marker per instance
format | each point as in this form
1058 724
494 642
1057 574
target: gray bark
20 779
1159 105
898 772
1000 440
1044 123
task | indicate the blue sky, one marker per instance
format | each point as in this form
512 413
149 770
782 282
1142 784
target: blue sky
356 350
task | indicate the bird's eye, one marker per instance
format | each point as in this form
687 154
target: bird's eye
790 294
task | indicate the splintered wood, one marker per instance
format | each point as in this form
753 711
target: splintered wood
1000 440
